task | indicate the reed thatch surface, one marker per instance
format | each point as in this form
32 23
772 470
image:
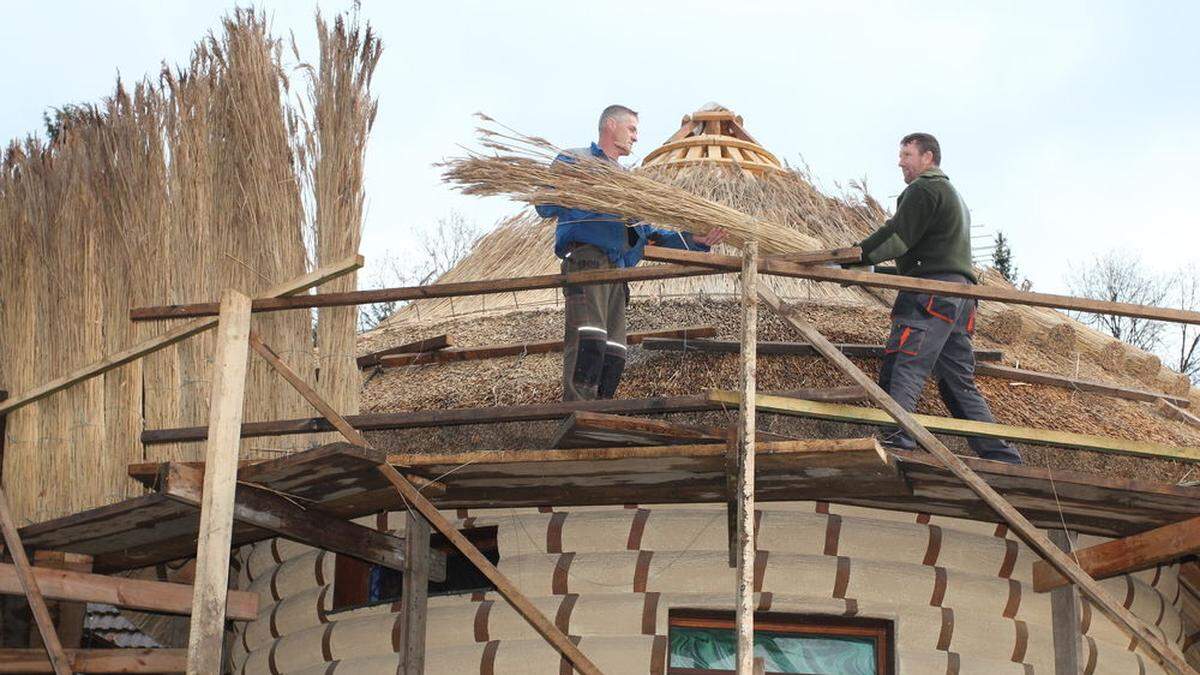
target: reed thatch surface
536 378
1033 338
167 191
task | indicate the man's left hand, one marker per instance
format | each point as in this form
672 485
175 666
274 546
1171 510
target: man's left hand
711 238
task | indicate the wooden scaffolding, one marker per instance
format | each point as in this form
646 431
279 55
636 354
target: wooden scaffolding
204 509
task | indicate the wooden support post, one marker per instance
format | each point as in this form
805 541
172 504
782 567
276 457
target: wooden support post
1019 523
68 615
732 471
414 599
1130 554
1064 617
220 479
37 603
151 345
511 593
746 439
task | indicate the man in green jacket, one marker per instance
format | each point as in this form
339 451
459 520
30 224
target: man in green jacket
930 237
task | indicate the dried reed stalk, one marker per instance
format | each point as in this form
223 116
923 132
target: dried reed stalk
343 109
167 191
522 169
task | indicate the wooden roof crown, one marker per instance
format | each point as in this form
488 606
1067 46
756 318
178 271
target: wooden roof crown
716 136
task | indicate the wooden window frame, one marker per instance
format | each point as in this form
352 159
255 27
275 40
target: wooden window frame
882 631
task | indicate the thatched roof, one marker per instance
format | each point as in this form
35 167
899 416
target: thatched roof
1033 338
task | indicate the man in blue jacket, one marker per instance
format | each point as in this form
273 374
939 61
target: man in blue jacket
594 339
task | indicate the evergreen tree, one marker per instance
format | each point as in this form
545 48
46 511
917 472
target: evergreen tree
1002 259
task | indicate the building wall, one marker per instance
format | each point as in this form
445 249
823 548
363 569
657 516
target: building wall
958 592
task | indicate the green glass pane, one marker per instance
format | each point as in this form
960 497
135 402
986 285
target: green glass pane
716 649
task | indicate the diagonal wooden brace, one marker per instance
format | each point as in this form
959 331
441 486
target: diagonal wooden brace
37 603
1160 650
429 512
519 602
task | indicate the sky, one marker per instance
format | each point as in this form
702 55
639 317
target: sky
1071 127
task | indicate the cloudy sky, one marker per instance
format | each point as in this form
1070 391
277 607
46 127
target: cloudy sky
1072 127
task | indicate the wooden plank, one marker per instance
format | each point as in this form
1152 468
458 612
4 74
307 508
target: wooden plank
414 599
151 345
1174 412
220 479
483 287
1130 554
1075 384
543 347
918 285
789 447
744 615
488 415
97 661
141 594
957 427
266 510
1064 618
28 582
519 602
431 344
583 427
1158 648
833 255
856 351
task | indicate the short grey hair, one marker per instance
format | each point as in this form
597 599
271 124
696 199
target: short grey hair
614 111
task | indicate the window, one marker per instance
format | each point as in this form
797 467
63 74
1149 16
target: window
361 584
705 642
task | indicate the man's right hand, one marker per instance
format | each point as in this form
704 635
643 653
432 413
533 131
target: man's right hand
711 238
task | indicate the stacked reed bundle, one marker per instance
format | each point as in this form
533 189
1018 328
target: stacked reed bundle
165 192
343 110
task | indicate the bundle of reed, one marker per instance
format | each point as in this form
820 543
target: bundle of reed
343 111
165 192
522 168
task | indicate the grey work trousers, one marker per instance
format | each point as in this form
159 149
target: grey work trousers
932 334
594 338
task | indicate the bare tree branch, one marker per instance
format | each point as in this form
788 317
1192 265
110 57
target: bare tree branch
1120 276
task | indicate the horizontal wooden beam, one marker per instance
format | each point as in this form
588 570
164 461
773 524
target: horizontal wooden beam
1175 412
789 447
957 427
151 345
584 428
543 347
486 415
901 283
786 348
97 661
266 510
450 290
431 344
1075 384
846 254
1130 554
151 596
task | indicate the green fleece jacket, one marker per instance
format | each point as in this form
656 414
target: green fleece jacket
930 233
